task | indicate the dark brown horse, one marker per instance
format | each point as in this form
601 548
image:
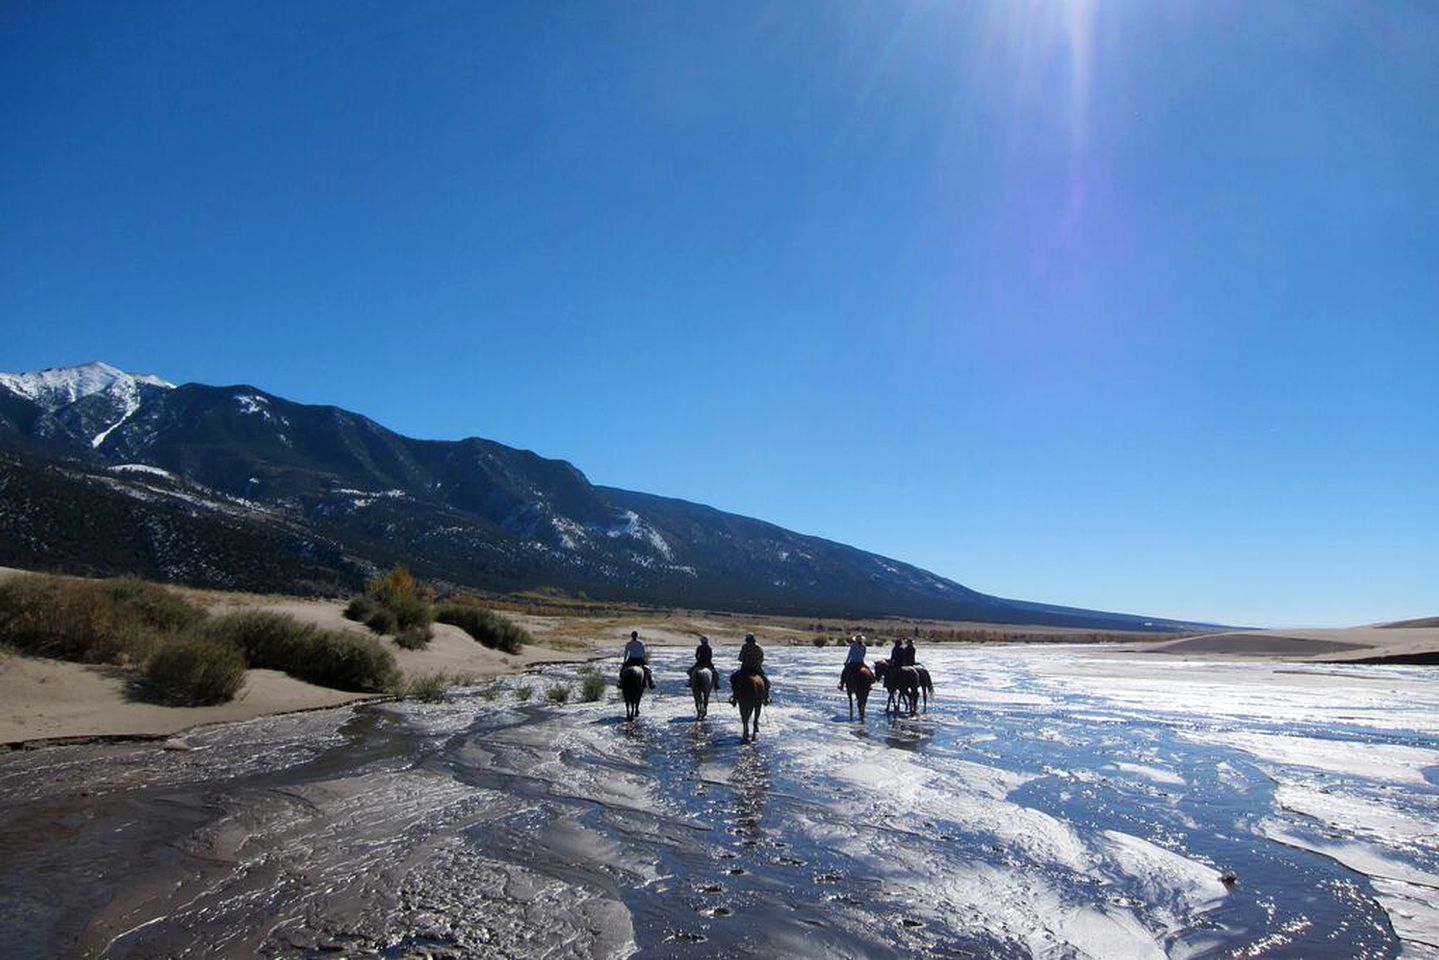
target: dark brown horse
632 685
903 686
749 692
857 681
926 685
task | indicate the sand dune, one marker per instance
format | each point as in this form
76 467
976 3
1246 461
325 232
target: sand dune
1394 643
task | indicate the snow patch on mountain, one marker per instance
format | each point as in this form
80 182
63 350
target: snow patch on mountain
569 532
141 468
631 525
250 403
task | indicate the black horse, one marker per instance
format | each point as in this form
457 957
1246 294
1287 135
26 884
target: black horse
632 686
905 685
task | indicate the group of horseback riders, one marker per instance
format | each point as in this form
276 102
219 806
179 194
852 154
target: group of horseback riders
751 660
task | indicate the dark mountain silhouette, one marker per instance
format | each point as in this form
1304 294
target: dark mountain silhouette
106 471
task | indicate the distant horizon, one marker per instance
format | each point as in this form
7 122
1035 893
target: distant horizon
1117 306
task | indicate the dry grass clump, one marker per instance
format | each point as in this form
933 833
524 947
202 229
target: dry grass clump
592 684
426 687
486 626
119 621
195 671
415 638
330 658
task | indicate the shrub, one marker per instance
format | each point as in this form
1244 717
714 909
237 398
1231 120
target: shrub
414 638
391 603
558 693
592 685
382 621
152 605
329 658
410 612
393 586
429 687
360 609
523 692
486 626
108 621
195 670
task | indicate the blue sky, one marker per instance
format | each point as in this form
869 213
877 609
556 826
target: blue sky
1122 305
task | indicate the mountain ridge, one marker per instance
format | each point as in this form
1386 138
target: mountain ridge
470 511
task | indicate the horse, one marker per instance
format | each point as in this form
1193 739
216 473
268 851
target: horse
926 685
857 682
902 684
749 692
632 685
702 681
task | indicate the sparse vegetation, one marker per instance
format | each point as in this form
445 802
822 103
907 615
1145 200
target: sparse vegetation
195 671
392 604
382 621
119 621
558 693
360 609
486 626
523 692
415 638
592 685
329 658
427 687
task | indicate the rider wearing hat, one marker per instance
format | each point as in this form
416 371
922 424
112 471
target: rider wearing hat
855 659
751 663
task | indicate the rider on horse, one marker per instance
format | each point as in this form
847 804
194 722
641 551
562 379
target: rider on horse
855 659
637 656
704 657
751 660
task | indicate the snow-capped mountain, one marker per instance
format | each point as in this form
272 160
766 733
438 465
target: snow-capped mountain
328 494
89 400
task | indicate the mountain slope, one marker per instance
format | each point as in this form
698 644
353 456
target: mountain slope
326 484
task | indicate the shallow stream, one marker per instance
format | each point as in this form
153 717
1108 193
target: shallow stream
1052 802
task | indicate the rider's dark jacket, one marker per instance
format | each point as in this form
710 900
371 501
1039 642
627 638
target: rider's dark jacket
751 658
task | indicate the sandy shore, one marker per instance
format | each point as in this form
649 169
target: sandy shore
1375 643
44 699
50 699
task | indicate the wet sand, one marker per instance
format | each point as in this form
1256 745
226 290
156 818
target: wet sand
1051 803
